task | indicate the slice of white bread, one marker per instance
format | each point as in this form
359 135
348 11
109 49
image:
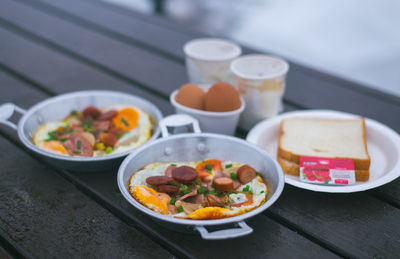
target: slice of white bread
333 138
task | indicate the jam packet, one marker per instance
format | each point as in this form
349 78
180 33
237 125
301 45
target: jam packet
332 171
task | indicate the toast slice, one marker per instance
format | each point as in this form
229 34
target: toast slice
333 138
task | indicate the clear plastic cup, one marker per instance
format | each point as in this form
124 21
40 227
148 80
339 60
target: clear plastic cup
208 60
261 81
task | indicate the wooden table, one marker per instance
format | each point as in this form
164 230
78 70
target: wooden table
49 47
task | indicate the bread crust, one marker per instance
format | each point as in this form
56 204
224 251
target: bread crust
293 168
359 164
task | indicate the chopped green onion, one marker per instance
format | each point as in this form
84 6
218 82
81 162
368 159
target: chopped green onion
184 192
209 167
180 209
88 123
197 180
246 188
174 184
228 166
119 135
173 164
233 176
124 122
202 190
212 192
185 189
51 136
74 112
259 174
250 192
76 152
63 139
109 150
261 192
172 201
78 144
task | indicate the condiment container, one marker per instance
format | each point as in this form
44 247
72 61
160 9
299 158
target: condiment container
208 59
260 79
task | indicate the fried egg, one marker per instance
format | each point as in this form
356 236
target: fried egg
241 201
41 135
136 136
133 136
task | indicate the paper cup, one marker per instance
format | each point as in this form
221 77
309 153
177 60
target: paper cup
207 60
261 81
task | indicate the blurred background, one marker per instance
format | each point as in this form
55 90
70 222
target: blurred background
355 39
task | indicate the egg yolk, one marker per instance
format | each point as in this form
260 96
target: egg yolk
126 119
209 213
55 146
205 168
152 199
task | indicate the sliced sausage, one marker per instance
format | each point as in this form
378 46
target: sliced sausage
246 173
214 200
108 139
91 112
223 183
113 129
167 188
168 171
84 148
101 126
108 115
184 174
158 180
236 184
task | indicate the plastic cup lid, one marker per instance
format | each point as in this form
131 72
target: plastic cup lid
212 49
259 67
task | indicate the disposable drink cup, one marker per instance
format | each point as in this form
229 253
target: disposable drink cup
261 81
208 60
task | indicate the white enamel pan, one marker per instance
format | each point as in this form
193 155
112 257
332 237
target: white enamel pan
59 107
200 146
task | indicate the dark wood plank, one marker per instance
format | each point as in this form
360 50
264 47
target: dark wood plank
57 73
332 92
127 61
269 240
356 223
103 188
4 254
48 217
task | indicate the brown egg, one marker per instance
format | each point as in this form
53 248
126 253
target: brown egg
190 95
222 97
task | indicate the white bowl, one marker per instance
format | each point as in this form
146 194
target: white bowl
214 122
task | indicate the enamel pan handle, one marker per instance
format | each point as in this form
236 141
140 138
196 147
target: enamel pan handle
243 230
178 120
6 111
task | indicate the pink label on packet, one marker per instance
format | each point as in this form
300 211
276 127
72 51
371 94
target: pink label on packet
321 170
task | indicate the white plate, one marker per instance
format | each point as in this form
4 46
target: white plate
383 147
